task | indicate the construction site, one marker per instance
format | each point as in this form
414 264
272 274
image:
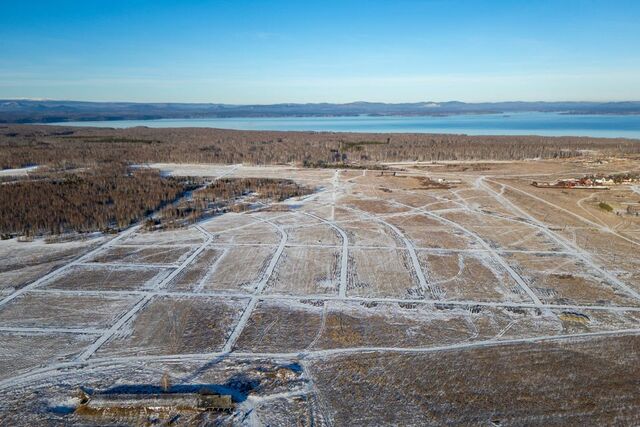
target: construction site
455 291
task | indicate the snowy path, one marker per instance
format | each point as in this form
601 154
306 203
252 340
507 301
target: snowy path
256 295
324 297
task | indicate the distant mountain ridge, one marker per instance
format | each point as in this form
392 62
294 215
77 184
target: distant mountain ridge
48 111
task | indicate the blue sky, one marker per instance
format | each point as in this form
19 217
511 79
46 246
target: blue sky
240 51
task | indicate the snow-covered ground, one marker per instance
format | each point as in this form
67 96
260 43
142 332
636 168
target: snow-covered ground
369 264
18 171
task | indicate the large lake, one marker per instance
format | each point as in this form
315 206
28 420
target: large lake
552 124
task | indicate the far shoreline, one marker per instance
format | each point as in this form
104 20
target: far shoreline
543 124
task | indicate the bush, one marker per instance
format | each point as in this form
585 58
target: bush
605 207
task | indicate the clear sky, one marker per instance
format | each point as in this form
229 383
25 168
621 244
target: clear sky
239 51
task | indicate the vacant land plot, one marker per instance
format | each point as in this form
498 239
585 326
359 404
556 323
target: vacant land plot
390 325
194 276
382 273
169 237
259 233
306 271
143 255
64 311
282 326
564 280
24 262
374 206
507 385
239 269
24 351
321 234
517 237
477 277
369 233
169 325
440 236
111 278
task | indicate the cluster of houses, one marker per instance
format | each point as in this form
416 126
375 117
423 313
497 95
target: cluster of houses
591 182
576 184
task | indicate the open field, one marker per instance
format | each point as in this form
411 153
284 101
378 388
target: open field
21 264
376 300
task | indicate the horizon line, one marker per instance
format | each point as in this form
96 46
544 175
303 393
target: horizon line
319 102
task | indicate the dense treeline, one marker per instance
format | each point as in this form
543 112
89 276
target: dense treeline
224 195
95 199
266 188
26 145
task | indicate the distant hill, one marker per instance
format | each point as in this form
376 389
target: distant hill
34 111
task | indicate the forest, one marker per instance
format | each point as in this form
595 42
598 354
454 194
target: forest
227 194
67 147
104 198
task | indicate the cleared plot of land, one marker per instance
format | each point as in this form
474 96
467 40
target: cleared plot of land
374 206
259 233
287 412
281 326
111 278
382 273
569 383
306 271
504 234
547 213
440 238
143 255
21 352
321 234
425 200
369 233
390 325
563 279
170 237
169 325
516 237
227 222
608 250
24 262
466 276
240 268
294 326
425 232
196 272
64 311
481 201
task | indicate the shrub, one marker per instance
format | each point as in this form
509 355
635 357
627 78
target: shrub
605 207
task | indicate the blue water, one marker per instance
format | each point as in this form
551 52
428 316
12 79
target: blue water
551 124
